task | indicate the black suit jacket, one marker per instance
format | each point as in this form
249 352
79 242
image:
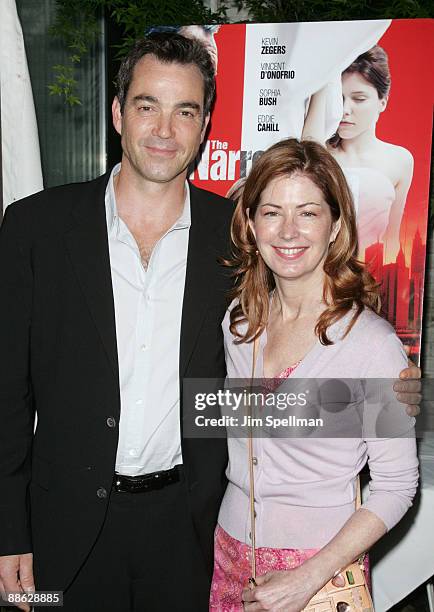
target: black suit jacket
58 356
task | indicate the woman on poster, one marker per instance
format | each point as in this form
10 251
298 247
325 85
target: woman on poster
312 307
379 173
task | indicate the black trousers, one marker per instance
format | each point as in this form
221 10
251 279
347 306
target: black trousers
146 559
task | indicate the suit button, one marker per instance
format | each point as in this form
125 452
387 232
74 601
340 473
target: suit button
111 422
101 493
255 461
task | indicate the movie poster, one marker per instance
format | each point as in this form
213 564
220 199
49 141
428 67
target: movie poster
334 82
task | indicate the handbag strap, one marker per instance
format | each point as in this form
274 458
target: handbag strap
251 469
358 493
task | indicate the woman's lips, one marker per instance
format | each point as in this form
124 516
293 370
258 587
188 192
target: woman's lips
290 253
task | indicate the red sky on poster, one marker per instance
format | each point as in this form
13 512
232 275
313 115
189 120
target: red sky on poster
408 119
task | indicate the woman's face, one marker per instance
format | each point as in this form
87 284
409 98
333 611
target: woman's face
293 228
362 106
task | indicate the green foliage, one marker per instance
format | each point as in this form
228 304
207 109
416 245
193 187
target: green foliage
134 17
334 10
65 84
77 25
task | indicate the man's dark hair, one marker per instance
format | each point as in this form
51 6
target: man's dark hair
168 48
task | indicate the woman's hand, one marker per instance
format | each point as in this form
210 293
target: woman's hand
288 591
291 590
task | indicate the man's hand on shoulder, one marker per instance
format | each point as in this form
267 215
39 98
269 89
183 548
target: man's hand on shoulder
16 576
408 387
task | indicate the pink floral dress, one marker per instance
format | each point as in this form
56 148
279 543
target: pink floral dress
232 568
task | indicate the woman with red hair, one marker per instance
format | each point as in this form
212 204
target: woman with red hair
309 309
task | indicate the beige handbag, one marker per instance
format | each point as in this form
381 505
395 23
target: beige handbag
347 591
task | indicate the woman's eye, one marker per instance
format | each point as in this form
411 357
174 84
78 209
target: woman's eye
308 213
270 213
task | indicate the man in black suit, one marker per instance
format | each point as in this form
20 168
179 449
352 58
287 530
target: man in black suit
111 294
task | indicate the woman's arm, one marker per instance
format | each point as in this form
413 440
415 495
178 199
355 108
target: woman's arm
315 121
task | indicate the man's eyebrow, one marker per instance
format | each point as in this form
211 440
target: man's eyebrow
154 100
145 98
189 104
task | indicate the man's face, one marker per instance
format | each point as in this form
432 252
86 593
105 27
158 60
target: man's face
162 125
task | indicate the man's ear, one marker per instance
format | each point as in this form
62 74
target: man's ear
117 115
205 125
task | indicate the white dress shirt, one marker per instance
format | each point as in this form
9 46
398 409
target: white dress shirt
148 309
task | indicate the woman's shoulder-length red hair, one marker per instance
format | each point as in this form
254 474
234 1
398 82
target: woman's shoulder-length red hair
347 282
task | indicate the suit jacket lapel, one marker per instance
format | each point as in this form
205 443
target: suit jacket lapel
87 243
201 264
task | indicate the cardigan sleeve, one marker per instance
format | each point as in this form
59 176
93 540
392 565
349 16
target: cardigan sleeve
391 445
393 466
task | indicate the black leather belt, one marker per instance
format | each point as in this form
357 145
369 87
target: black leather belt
146 482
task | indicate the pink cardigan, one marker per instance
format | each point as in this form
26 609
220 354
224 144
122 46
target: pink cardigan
305 488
